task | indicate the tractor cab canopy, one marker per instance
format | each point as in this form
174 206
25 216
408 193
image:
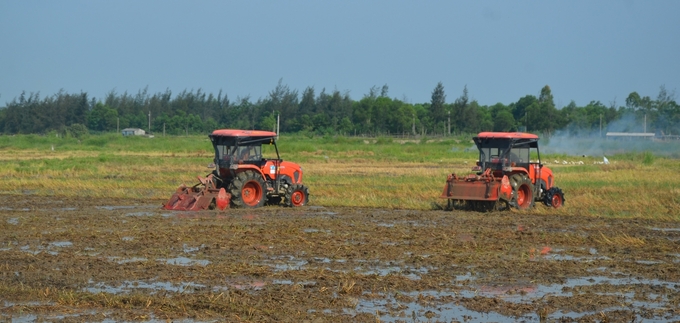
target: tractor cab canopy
233 145
505 149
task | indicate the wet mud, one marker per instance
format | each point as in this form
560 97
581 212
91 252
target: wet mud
106 260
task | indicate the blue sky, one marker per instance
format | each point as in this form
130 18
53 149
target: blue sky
500 50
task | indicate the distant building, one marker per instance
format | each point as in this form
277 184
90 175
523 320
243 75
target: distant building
133 132
629 135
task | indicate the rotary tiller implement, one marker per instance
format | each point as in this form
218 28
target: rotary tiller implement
242 177
202 196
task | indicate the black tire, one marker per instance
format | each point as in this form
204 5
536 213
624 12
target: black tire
554 197
522 192
247 190
297 195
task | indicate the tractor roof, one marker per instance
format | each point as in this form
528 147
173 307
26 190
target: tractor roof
231 137
243 133
507 135
503 139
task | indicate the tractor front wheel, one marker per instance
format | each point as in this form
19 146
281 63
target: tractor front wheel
247 190
554 197
297 195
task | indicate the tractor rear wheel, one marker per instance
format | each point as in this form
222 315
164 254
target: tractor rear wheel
554 197
297 195
522 191
247 190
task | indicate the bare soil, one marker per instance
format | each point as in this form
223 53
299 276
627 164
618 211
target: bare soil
104 260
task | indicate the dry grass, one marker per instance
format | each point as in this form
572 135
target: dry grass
368 175
621 240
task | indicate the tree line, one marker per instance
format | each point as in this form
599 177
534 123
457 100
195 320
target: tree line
329 113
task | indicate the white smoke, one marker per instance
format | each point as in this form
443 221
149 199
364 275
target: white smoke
595 143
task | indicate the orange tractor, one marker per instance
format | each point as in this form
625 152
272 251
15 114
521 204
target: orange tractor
242 177
506 176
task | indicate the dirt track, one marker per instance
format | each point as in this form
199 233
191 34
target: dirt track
103 260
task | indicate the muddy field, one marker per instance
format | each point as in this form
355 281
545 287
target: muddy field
125 260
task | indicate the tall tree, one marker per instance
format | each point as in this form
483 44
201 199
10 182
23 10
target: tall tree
463 120
437 108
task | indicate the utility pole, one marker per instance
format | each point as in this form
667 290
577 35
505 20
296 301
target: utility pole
413 125
149 121
526 121
449 123
600 125
644 129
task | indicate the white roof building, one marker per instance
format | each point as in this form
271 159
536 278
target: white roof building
133 132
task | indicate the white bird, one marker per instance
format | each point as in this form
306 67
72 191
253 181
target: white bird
606 161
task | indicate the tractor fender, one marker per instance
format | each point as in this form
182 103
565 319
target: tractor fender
247 167
292 170
547 177
275 168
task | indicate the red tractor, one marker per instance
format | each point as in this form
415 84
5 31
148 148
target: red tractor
242 177
505 176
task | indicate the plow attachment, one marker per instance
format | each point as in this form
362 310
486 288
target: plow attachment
202 196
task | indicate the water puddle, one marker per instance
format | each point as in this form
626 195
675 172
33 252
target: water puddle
325 213
386 225
76 317
667 229
140 214
649 262
410 272
188 249
128 287
445 305
183 261
60 209
285 263
3 208
247 283
115 207
242 284
288 263
557 254
312 230
391 309
51 248
121 261
13 221
61 244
